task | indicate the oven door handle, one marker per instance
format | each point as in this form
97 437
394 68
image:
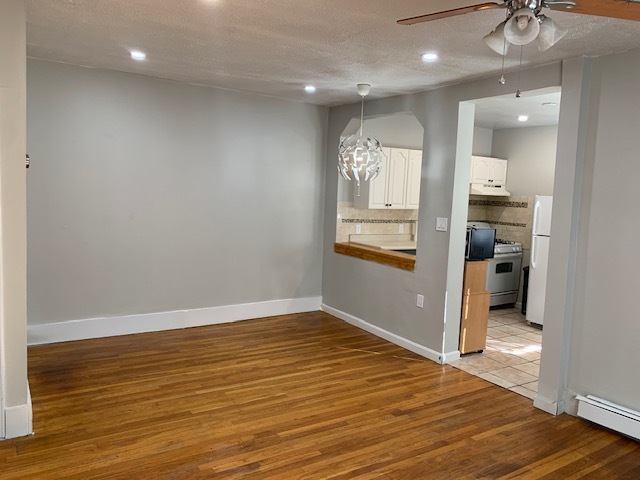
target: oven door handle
507 256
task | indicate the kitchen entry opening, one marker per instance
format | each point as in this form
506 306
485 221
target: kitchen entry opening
380 222
511 181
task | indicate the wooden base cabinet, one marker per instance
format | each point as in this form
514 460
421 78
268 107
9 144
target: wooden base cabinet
475 308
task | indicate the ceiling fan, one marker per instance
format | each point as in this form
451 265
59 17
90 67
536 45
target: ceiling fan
525 21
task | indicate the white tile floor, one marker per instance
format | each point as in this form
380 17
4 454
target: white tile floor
512 357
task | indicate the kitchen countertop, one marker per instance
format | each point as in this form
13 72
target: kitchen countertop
385 242
391 258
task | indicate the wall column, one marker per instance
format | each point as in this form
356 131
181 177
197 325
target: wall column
15 402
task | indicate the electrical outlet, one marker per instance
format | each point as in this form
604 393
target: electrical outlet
420 301
401 228
358 228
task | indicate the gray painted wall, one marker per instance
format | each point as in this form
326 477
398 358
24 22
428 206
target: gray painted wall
482 141
401 130
384 296
532 158
147 195
606 331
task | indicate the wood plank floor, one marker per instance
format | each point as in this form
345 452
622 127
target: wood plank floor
293 397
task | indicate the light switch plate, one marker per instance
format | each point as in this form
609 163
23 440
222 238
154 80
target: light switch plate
442 224
419 301
358 228
401 228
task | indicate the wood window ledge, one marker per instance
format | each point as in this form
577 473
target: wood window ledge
403 261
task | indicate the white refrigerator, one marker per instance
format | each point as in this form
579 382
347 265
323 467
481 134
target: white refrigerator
540 237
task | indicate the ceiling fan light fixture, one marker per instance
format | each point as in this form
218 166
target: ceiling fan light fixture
522 28
496 40
550 33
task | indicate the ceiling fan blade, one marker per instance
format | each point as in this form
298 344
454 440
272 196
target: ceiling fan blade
622 9
451 13
558 5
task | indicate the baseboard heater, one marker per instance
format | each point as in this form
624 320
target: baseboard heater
610 415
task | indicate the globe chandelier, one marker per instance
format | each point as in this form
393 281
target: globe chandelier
359 156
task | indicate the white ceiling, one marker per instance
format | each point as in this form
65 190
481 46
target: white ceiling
275 47
541 106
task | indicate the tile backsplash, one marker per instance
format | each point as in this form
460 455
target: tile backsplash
511 217
373 222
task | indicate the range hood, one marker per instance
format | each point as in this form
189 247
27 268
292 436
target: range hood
482 189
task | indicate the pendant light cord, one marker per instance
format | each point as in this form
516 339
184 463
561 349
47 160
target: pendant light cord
502 80
362 116
518 93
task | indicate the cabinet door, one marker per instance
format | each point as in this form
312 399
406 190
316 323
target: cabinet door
397 178
499 172
378 187
373 194
414 174
474 322
481 169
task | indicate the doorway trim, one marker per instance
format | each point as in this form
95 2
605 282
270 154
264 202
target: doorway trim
552 396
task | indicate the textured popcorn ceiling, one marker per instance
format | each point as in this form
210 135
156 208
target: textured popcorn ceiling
275 47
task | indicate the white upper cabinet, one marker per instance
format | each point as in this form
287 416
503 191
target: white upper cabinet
414 174
397 177
373 194
398 184
488 171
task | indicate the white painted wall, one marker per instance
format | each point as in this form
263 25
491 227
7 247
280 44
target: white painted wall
15 404
531 152
147 195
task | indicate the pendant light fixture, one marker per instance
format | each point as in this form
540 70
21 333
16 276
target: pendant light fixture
359 156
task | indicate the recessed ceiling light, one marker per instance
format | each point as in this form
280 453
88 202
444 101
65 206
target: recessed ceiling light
523 118
429 57
138 55
310 89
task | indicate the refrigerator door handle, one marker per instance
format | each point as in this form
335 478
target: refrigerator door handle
533 251
536 217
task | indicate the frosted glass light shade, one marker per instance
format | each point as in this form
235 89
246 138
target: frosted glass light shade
496 41
360 158
550 34
522 28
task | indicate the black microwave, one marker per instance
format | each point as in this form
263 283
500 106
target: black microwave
480 243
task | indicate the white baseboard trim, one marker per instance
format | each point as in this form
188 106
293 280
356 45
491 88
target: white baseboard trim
154 322
610 415
549 406
392 337
18 420
449 357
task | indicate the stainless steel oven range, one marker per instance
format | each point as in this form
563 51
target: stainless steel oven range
503 271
